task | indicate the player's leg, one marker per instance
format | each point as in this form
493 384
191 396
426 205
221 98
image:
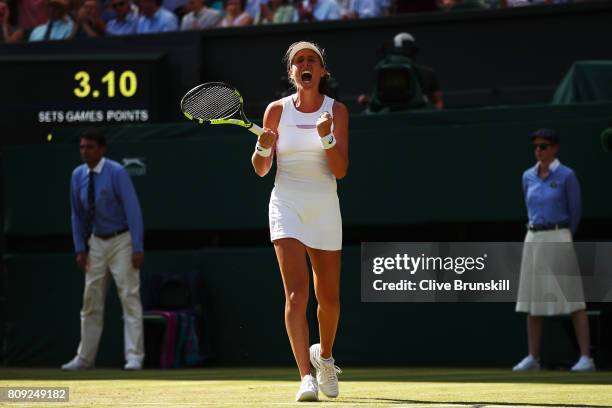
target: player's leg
127 279
326 275
291 256
326 268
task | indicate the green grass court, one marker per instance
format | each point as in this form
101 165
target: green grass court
359 387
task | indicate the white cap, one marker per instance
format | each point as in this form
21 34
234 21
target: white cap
303 45
398 40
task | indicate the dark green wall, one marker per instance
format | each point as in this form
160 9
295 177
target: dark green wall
243 310
405 168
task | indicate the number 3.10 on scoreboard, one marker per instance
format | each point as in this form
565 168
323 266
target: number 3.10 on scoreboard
124 84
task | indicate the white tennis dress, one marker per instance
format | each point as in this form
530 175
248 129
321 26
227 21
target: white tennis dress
304 203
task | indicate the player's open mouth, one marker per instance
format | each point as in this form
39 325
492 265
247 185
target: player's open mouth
306 77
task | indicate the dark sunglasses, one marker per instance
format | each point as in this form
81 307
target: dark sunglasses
117 5
542 146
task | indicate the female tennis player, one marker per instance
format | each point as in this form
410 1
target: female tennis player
308 132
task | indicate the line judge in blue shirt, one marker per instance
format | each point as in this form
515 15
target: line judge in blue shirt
550 283
107 231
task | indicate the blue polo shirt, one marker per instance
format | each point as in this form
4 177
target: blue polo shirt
162 21
325 10
117 205
366 8
123 27
555 199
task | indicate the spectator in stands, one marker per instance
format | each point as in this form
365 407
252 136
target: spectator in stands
386 7
235 15
108 12
318 10
446 4
108 238
154 18
550 282
10 34
178 7
363 9
199 16
460 5
522 3
126 19
31 13
59 27
257 9
89 22
344 6
404 53
73 8
279 11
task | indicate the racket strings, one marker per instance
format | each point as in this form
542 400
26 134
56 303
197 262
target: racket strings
212 102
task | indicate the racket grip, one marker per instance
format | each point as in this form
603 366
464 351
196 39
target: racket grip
256 129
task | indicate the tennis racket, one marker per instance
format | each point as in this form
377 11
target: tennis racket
217 103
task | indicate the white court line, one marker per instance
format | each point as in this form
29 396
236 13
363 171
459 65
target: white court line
318 404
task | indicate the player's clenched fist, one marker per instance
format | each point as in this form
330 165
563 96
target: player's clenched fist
267 138
324 124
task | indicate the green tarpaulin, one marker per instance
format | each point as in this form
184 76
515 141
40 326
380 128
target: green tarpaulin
586 81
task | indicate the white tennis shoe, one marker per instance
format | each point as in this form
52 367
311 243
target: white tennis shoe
133 365
584 364
75 364
527 364
309 390
327 372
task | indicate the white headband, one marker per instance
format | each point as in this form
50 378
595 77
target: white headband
304 45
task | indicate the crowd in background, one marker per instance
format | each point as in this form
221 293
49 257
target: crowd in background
39 20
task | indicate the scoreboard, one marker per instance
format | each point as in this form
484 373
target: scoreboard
100 89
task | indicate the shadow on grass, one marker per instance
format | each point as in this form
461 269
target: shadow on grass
463 403
370 374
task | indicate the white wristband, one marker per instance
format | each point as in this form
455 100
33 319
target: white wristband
328 141
263 151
